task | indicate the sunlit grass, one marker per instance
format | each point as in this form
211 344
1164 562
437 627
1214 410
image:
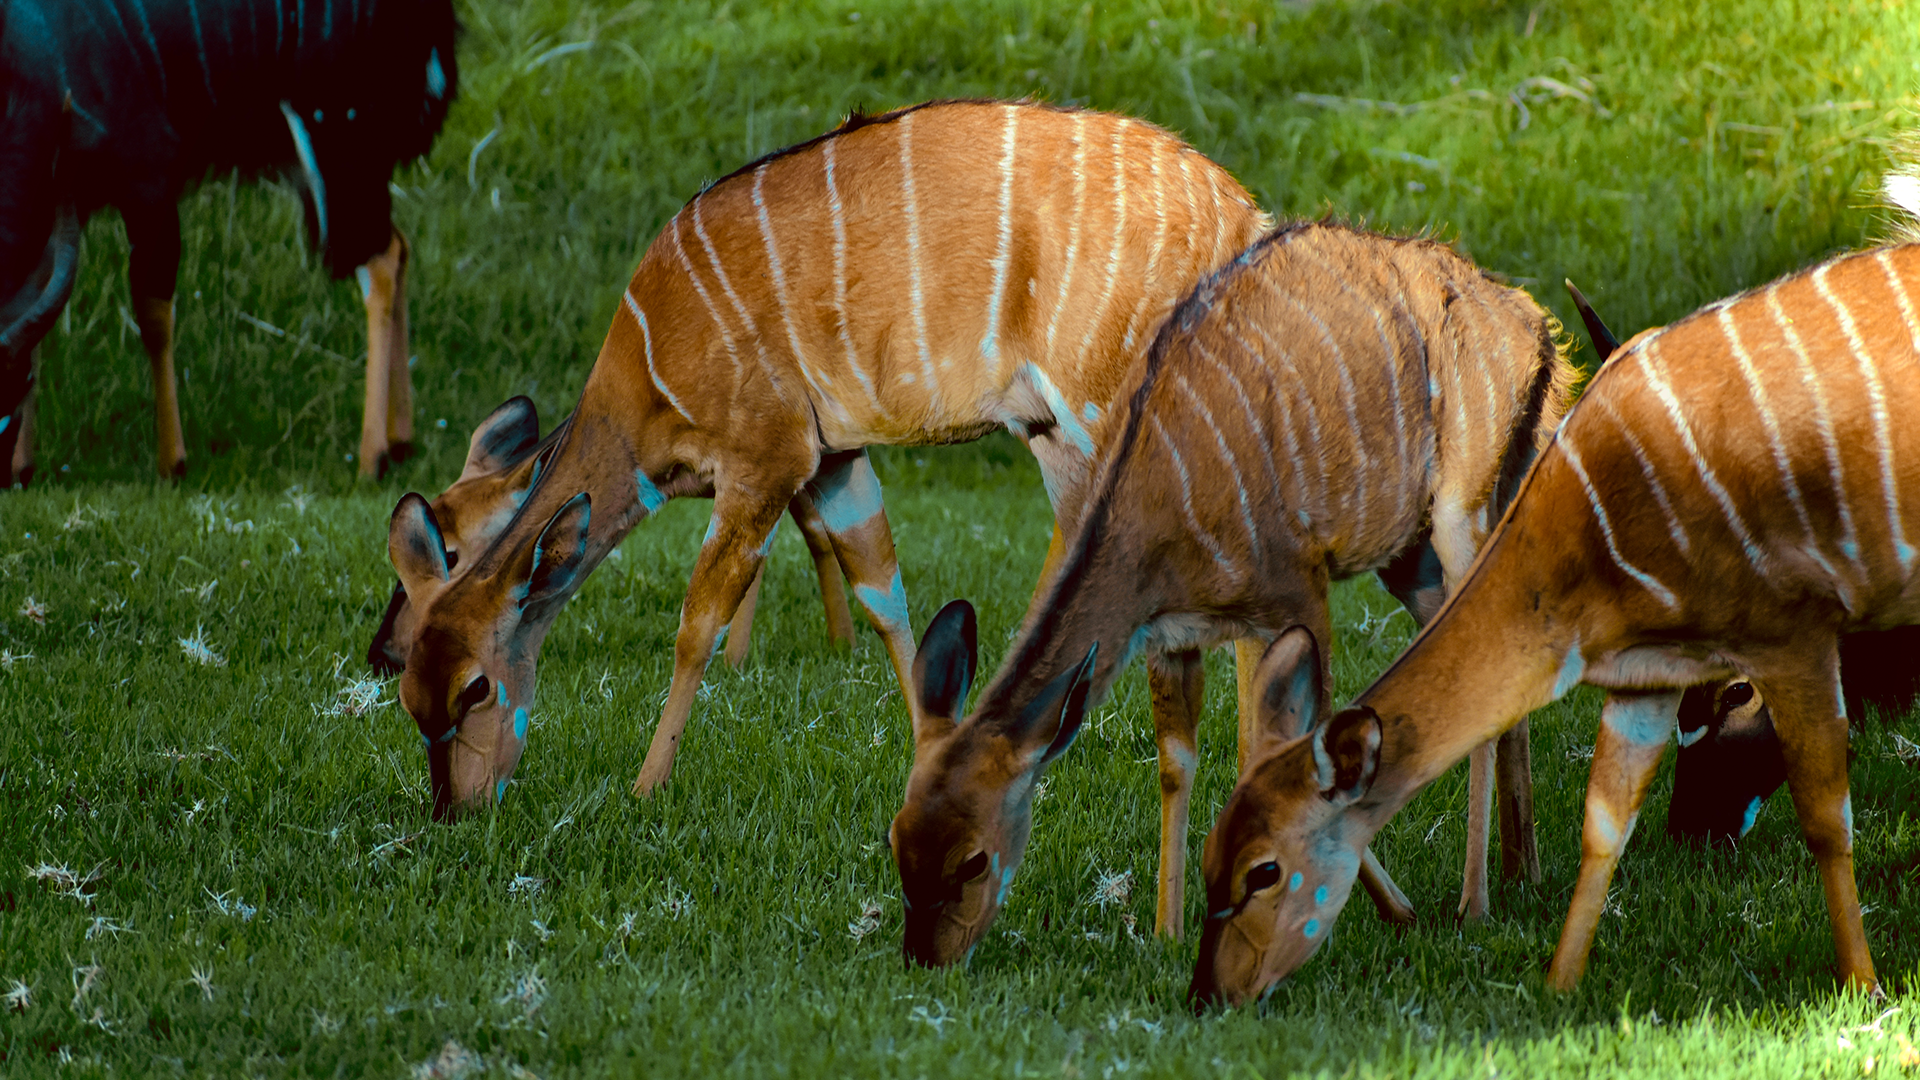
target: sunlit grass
214 855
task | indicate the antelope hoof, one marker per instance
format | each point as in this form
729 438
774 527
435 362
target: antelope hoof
1473 909
176 472
373 466
399 452
646 784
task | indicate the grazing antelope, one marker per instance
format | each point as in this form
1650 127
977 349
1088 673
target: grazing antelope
1335 402
1729 496
126 102
1730 757
920 277
502 457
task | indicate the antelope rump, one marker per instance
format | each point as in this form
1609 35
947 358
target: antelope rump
1728 498
920 277
1334 402
124 103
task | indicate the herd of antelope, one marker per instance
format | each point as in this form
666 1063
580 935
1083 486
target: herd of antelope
1228 416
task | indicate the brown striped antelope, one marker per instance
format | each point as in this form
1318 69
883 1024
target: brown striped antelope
1730 495
502 458
1333 403
920 277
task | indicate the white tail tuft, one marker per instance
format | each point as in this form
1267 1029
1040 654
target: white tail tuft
1901 190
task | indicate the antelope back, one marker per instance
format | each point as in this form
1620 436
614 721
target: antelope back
935 272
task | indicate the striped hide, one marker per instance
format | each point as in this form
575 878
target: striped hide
920 277
1732 494
1333 403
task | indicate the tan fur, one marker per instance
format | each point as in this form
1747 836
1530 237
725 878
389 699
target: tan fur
863 288
1731 494
1331 402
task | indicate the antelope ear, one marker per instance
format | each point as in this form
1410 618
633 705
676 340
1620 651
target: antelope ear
503 439
943 668
1289 680
1346 754
415 546
1048 725
1604 343
560 555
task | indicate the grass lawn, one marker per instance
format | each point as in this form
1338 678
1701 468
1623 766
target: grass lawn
253 886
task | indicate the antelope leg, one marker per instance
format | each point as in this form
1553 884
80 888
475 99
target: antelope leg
826 567
153 269
728 562
740 630
847 495
1177 684
1513 783
1473 887
385 415
1813 737
1634 729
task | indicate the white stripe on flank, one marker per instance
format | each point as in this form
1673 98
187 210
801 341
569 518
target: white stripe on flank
1391 353
646 338
1877 397
1674 527
1226 454
1899 288
1003 245
1653 586
1285 395
1774 438
905 126
1186 502
1362 459
1254 422
1222 248
1159 203
777 272
1073 227
726 337
726 286
840 281
1193 211
1113 251
1651 364
1823 419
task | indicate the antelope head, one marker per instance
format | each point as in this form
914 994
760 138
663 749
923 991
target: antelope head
1284 853
469 678
1729 762
963 830
501 465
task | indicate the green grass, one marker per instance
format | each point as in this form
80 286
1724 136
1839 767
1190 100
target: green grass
202 793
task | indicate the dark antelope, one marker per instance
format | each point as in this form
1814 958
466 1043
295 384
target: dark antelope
1729 497
1333 403
124 103
501 461
920 277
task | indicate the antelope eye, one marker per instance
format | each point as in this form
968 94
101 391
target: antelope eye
453 560
1264 876
971 870
1736 695
476 693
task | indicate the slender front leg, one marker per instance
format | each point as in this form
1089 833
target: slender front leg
1813 738
847 495
1513 781
385 415
1177 683
728 562
740 630
1473 887
1246 660
826 567
22 463
1634 729
153 269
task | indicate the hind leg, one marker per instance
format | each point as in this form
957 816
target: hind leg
154 232
386 421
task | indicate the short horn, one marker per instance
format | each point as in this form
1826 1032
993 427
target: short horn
1604 342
